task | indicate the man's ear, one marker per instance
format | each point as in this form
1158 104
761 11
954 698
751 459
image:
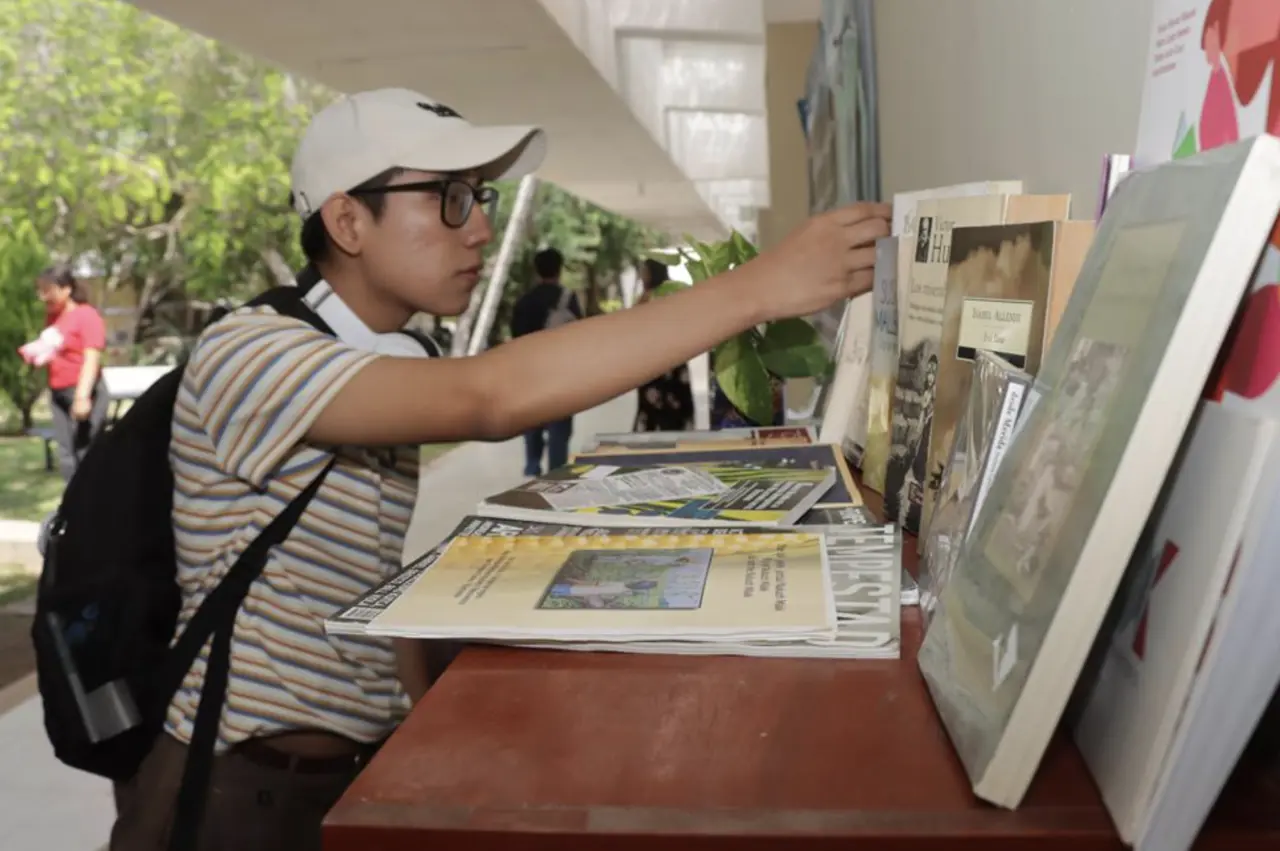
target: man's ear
345 220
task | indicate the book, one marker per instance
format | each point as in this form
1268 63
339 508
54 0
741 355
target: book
1134 694
819 456
842 406
355 618
865 565
719 493
920 319
692 587
1154 300
997 294
728 438
883 366
864 560
986 427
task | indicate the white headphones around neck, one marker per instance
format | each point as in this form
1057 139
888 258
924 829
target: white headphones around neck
351 329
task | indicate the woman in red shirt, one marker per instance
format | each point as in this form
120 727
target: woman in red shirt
76 336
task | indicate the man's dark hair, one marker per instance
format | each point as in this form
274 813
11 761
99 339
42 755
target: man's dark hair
657 273
314 238
547 263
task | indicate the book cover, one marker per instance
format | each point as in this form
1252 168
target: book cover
725 492
985 428
1210 81
865 564
920 320
920 316
750 587
355 618
1153 303
728 438
997 297
842 409
1150 652
883 369
819 456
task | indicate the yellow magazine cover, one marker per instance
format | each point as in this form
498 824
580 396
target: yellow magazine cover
754 587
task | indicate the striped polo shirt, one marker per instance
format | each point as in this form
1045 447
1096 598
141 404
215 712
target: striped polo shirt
255 382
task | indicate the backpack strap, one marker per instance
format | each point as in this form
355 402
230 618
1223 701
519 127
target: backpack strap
216 617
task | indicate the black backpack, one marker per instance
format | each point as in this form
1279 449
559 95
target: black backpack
108 600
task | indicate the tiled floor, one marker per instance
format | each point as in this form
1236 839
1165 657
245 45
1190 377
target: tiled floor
44 805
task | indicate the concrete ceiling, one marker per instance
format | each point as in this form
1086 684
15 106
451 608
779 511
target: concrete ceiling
511 61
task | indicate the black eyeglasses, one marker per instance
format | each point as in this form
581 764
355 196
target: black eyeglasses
457 197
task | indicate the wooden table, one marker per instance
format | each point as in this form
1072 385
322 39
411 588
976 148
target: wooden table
562 751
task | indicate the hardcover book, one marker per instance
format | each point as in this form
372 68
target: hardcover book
1153 648
1162 282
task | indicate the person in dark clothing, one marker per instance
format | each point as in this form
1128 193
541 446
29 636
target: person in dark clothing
546 305
665 403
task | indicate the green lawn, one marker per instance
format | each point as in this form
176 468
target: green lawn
15 584
27 490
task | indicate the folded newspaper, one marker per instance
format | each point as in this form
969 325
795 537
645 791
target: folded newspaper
703 494
863 565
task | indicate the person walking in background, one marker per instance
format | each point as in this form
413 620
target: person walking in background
666 402
547 305
71 345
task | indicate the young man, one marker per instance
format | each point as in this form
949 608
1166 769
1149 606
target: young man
391 188
548 302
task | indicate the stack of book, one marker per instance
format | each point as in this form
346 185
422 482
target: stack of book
752 544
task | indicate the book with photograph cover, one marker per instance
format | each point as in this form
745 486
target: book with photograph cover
691 587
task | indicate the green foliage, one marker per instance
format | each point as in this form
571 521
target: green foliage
158 153
22 258
597 246
744 377
744 364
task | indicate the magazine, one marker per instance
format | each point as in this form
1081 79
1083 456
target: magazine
868 625
706 494
750 587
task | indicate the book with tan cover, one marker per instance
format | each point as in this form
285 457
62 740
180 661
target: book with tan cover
752 587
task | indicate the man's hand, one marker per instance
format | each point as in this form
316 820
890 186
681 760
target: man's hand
828 258
81 407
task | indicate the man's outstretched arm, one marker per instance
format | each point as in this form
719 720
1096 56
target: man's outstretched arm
548 376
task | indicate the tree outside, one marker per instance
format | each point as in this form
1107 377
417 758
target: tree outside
160 159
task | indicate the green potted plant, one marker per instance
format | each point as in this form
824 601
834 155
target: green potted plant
749 370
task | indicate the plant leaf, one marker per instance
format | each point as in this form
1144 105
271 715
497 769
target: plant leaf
791 348
669 287
666 258
742 247
744 379
697 270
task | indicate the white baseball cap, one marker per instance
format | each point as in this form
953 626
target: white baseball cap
360 136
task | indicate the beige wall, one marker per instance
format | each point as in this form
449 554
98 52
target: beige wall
991 89
788 49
